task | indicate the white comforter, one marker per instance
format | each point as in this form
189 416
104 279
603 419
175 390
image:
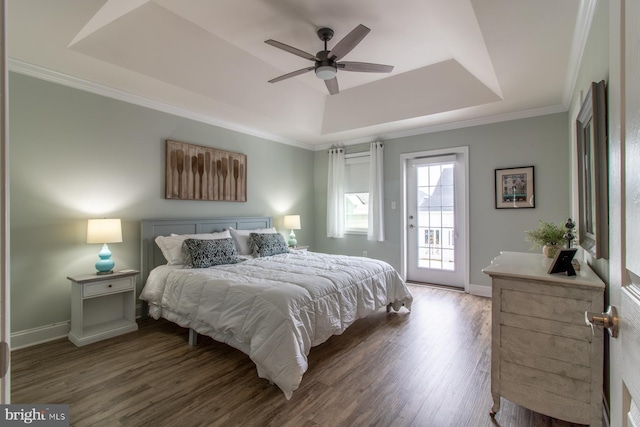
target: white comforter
275 308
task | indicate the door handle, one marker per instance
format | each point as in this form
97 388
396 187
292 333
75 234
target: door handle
609 320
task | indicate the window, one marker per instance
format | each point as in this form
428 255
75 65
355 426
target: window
356 212
356 194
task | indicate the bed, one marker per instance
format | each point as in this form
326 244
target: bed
273 307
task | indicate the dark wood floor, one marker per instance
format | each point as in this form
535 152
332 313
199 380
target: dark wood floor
425 368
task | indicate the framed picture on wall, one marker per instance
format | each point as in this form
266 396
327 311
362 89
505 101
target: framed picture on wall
515 188
592 149
195 172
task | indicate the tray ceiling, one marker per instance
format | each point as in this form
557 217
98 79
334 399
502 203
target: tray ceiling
456 61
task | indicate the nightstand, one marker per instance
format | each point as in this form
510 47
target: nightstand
102 306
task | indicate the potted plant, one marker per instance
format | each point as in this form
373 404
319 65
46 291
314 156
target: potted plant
548 236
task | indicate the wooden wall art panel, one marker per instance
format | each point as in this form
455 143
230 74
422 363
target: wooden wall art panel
202 173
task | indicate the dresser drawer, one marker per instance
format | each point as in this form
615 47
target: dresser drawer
107 287
541 306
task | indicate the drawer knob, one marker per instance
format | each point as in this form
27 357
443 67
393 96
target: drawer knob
110 285
608 319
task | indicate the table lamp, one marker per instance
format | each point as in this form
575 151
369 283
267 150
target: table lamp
104 231
292 222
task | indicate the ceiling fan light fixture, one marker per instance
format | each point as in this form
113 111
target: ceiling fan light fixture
326 72
326 61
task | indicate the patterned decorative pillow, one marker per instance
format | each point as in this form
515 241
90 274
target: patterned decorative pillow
171 246
207 253
242 241
268 244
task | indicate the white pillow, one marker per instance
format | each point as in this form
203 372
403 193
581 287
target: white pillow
171 246
241 238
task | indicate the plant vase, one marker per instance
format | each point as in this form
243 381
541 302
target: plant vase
550 251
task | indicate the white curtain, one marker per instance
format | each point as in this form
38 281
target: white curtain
376 193
335 194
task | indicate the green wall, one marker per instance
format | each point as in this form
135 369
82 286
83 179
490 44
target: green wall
539 141
75 155
593 68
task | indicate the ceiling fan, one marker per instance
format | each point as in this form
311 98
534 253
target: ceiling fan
326 61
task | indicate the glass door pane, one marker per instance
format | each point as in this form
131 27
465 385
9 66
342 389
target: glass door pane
435 193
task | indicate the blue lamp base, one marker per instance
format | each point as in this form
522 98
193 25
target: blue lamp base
292 239
105 263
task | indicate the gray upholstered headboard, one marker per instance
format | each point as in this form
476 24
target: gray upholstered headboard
151 228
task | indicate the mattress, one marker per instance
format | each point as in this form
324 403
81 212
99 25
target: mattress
276 308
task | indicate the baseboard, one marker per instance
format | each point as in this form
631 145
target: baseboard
42 334
31 337
480 290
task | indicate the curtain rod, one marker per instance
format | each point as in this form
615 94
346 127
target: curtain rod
356 148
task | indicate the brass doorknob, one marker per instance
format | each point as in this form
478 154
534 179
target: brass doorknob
608 319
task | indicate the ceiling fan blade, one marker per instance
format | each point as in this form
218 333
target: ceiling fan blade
349 41
332 85
291 74
291 49
364 67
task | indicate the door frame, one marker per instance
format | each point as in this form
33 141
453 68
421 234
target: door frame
624 384
442 276
5 381
463 151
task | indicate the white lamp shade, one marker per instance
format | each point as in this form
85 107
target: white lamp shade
292 222
104 231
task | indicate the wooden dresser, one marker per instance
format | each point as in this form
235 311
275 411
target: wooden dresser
543 355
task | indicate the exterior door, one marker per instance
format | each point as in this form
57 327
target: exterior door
435 220
624 277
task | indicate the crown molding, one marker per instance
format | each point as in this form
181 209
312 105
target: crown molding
517 115
42 73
